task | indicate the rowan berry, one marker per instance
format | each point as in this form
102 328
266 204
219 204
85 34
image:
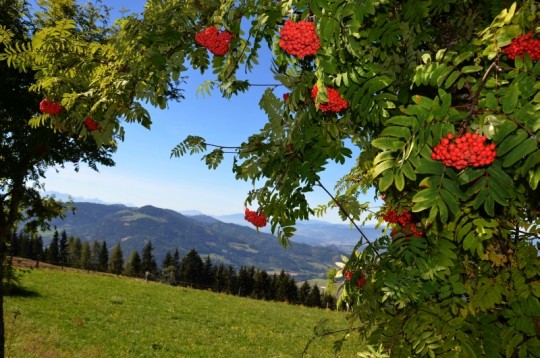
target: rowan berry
469 150
257 219
299 38
49 107
522 44
404 223
335 102
217 42
90 124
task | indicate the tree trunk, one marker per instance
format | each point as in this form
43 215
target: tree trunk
2 291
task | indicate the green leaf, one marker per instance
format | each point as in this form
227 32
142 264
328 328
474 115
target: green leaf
450 201
388 143
399 180
489 205
465 229
471 69
513 343
451 79
396 131
408 171
470 242
519 152
428 166
424 199
510 101
491 101
468 175
386 180
405 121
443 211
503 130
463 57
510 142
382 166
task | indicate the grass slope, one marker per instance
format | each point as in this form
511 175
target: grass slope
69 313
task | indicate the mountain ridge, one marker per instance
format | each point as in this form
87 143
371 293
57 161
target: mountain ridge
230 243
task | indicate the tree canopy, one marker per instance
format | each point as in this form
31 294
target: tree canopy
439 98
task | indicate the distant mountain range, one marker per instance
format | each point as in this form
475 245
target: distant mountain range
318 233
230 243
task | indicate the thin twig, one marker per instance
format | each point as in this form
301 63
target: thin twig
346 213
221 146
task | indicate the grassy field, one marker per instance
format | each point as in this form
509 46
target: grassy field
68 313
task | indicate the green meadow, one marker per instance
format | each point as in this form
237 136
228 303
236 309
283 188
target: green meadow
68 313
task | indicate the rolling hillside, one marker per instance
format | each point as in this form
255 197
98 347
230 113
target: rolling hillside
232 244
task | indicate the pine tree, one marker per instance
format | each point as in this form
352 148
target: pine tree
95 252
262 287
53 255
328 301
231 280
85 260
303 293
37 249
178 267
281 286
22 248
169 269
63 249
74 251
207 273
116 260
246 281
219 278
292 291
148 262
103 259
133 265
168 260
192 269
314 297
14 245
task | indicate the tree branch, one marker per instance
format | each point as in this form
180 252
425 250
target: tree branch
364 237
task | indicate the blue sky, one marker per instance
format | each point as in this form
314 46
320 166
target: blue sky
146 175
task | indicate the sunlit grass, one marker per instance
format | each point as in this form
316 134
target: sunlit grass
75 314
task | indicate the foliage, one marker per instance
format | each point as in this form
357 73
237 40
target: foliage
463 280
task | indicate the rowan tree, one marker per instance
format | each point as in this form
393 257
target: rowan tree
439 98
26 153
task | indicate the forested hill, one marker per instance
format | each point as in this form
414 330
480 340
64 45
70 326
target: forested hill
229 243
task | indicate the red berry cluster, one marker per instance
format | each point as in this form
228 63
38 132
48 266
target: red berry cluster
350 274
299 38
215 41
286 96
335 103
259 220
91 124
521 44
464 151
49 107
405 223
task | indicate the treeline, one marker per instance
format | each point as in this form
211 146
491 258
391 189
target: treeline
189 271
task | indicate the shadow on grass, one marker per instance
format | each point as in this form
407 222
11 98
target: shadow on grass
19 291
